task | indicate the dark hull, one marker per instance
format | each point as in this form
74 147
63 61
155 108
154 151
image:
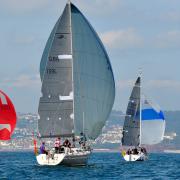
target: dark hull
75 160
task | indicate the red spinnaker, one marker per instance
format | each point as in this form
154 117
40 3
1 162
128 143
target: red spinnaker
7 117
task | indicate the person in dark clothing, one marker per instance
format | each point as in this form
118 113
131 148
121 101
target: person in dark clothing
128 152
42 149
57 145
135 151
73 142
67 143
143 150
83 139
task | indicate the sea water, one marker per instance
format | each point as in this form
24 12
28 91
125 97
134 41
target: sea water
22 165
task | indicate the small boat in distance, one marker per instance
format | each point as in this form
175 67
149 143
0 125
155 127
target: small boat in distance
78 88
8 117
144 125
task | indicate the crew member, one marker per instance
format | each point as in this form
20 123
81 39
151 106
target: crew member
42 149
83 139
67 143
57 145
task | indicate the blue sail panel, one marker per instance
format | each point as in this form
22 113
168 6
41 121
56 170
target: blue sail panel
151 114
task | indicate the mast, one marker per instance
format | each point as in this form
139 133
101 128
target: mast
140 109
69 3
83 122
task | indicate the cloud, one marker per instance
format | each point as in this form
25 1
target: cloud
169 39
172 16
174 84
153 84
124 84
22 81
122 39
23 5
100 7
25 40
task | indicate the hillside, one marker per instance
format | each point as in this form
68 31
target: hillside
111 133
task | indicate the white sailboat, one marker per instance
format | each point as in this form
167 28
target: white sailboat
144 125
78 87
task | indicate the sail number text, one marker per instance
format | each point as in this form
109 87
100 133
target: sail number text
51 71
53 59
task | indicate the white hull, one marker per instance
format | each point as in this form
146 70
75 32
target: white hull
73 157
51 160
135 157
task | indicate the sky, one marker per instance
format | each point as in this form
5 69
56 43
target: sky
136 34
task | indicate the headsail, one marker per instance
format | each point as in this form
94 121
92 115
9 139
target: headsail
77 79
7 117
94 87
153 123
131 128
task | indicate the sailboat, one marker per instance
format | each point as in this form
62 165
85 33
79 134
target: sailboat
7 117
78 87
144 125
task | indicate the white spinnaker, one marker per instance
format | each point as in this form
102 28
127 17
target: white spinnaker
152 124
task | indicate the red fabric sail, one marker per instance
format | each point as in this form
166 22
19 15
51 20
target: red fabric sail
7 117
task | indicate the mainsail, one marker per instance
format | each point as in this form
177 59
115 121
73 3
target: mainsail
131 128
56 103
7 117
78 86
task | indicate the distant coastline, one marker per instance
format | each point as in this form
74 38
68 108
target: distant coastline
175 151
101 150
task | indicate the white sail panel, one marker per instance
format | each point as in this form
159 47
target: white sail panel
65 56
153 124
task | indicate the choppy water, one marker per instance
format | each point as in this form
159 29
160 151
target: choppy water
22 165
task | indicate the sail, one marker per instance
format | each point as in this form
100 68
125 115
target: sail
153 123
56 103
45 54
94 87
131 128
7 117
80 74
